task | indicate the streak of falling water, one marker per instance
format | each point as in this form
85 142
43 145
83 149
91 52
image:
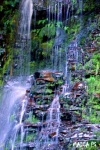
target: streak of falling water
13 93
60 63
56 57
19 125
76 55
66 67
54 117
23 41
45 138
58 11
52 9
55 11
81 6
25 22
81 13
67 13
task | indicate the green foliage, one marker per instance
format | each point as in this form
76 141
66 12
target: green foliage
96 61
48 30
11 2
92 111
33 66
75 28
1 81
94 119
66 28
43 21
47 46
72 29
59 82
32 118
1 8
49 91
30 137
59 24
93 84
7 13
89 5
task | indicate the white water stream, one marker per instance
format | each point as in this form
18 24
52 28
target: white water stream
15 90
48 136
13 94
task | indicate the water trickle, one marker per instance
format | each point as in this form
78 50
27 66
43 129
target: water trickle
48 136
72 60
19 126
58 55
56 58
55 12
67 12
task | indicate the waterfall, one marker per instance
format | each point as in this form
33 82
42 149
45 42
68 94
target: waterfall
13 93
23 41
15 90
18 106
48 137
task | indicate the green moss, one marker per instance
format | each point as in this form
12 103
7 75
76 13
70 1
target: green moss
91 114
32 119
93 84
1 81
59 82
49 91
94 119
96 106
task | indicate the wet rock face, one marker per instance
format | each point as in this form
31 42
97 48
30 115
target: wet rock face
43 76
40 99
43 4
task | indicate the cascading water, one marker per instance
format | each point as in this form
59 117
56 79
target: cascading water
19 125
58 55
48 137
14 93
72 59
23 41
